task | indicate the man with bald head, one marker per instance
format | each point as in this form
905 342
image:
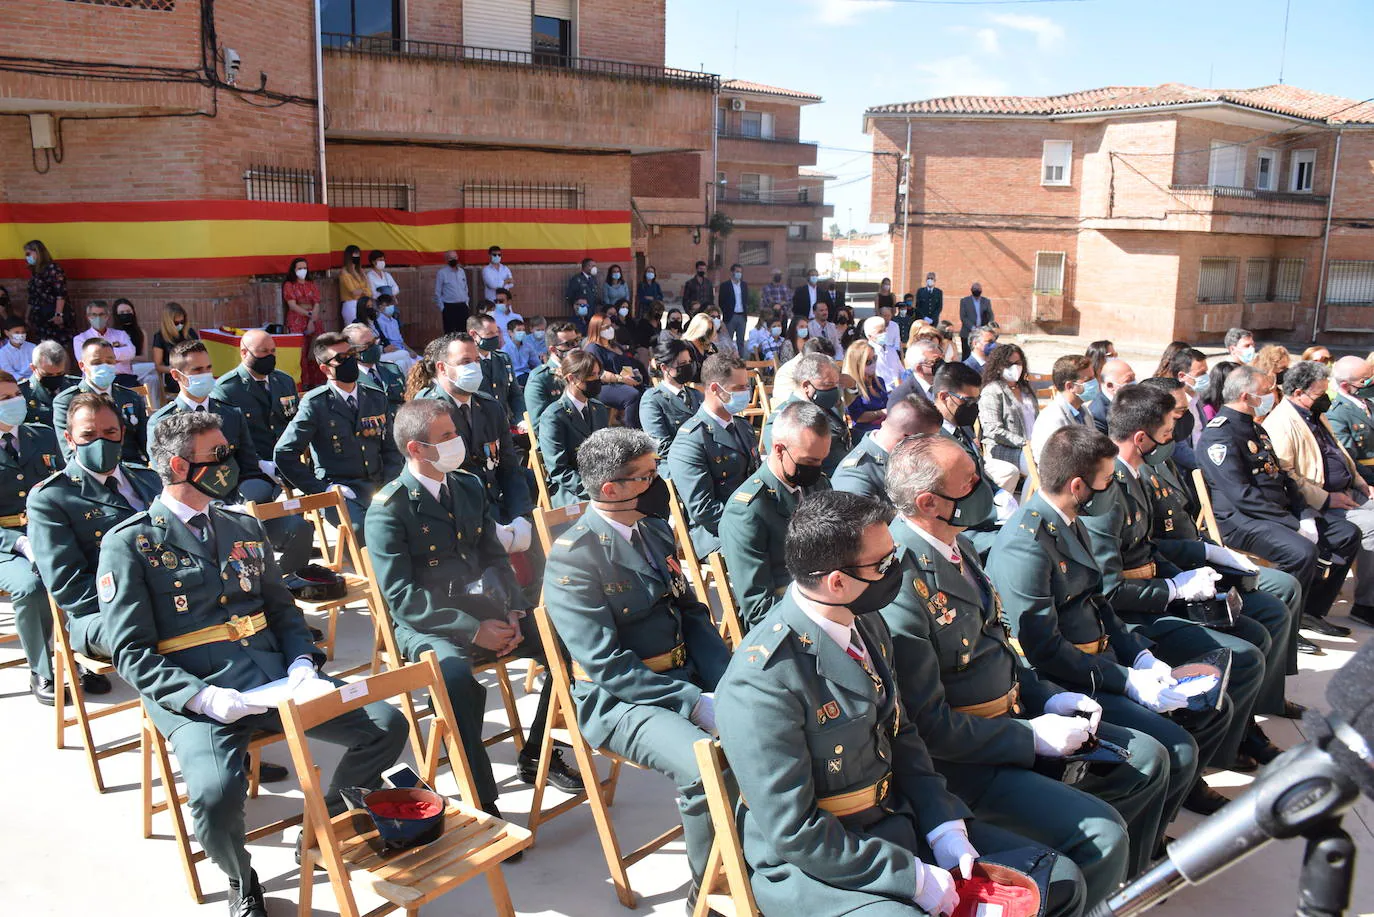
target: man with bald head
864 470
266 395
1115 374
1350 413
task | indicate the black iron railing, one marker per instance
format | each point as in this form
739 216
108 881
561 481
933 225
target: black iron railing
745 135
437 50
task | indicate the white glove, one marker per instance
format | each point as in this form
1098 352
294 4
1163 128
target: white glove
347 491
1196 585
23 546
1145 688
952 849
516 536
704 712
1307 528
267 468
1006 505
301 670
1068 703
522 427
1228 558
1057 736
1147 662
223 704
937 896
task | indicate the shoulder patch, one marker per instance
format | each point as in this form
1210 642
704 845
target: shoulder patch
749 490
573 535
1217 453
1218 421
106 587
386 491
48 480
850 461
765 642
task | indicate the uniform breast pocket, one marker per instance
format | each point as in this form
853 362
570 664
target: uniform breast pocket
181 590
954 640
836 742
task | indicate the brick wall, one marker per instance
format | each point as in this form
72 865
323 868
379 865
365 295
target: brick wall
622 30
672 175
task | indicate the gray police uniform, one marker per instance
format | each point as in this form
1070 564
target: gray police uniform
133 413
864 470
562 428
38 457
708 462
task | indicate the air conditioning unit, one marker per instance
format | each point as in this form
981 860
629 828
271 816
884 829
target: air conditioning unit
737 105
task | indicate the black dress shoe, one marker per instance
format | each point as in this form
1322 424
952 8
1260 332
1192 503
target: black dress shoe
1323 627
316 635
1244 764
43 689
271 773
247 902
1204 800
1292 711
1307 646
561 774
1363 613
92 683
1257 745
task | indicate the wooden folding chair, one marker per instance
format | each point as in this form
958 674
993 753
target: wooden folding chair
731 628
345 554
473 843
66 676
691 561
725 887
541 475
599 793
1207 519
549 521
154 750
1032 472
11 638
142 390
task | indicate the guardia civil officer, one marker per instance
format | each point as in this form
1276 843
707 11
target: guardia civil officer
818 381
98 371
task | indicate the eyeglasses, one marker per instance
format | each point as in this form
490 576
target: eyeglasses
879 566
638 479
221 453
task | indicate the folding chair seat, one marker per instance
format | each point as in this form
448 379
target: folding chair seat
725 887
730 625
1207 520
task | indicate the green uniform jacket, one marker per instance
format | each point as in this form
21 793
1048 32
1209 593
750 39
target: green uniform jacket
234 427
498 381
542 388
392 383
40 397
343 447
69 514
133 412
864 470
425 557
1354 430
266 409
1051 591
491 454
156 580
753 535
562 428
39 457
1123 539
613 609
799 720
708 464
662 414
1175 510
840 440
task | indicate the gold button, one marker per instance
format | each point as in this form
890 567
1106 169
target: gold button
777 627
224 576
966 641
177 584
19 477
624 611
224 600
244 642
98 534
839 749
23 493
433 548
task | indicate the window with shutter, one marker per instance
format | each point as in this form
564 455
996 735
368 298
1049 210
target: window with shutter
1049 273
504 25
1227 166
1056 162
1257 279
1350 282
1216 281
1288 281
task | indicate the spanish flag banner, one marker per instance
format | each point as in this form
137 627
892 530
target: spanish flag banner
211 239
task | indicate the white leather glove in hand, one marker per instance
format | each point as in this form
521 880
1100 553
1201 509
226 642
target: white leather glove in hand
267 468
514 537
1006 505
1307 528
223 704
1146 688
346 491
1196 585
23 547
301 670
1216 554
1057 736
952 850
937 896
1147 662
1067 703
704 712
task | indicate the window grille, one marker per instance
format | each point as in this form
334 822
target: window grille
1216 281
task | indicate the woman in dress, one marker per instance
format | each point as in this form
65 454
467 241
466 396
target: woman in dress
867 401
49 316
301 298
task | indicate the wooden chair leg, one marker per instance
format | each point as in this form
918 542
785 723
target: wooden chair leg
145 749
531 674
174 809
500 895
512 712
254 772
601 815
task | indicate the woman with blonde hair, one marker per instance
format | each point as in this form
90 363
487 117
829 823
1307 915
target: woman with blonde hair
1318 354
352 285
701 335
171 331
866 403
1274 359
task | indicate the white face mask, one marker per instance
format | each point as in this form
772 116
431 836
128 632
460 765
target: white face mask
624 311
715 322
381 265
929 284
300 273
452 452
467 377
1012 373
592 272
495 259
608 333
615 275
648 275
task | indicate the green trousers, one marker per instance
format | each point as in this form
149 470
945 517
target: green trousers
32 614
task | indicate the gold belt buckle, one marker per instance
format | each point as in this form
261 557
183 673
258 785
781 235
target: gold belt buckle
679 656
1014 700
882 790
240 628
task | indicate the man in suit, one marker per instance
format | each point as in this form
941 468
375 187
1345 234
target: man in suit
1070 377
753 525
345 428
374 372
48 379
1325 474
646 656
845 812
1051 591
974 312
97 375
805 298
923 357
1260 509
698 290
818 381
266 396
489 450
984 713
930 300
196 613
734 305
1349 414
1115 374
981 341
567 423
498 373
864 470
449 585
715 451
582 285
544 385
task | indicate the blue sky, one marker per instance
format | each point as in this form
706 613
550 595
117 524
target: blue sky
858 53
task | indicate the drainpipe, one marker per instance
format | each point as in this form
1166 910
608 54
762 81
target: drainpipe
319 106
1326 238
906 216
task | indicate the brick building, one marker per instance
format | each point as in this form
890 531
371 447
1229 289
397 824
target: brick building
185 149
1141 214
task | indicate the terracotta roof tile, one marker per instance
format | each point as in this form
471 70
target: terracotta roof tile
746 86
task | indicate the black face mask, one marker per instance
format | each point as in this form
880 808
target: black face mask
1183 428
881 592
216 479
652 502
675 326
1097 504
453 263
262 366
126 321
701 273
965 414
53 383
592 389
973 508
801 475
346 370
1278 378
1321 405
685 373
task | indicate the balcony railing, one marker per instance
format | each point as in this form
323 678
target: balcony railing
436 50
745 135
769 198
1248 194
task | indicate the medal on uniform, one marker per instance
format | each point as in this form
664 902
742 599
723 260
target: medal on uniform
1063 567
169 559
922 589
1253 447
180 602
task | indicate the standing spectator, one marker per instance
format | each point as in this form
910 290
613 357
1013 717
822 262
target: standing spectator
867 405
6 307
495 276
648 290
1240 344
379 281
698 289
885 295
48 312
734 305
504 313
388 330
352 285
16 354
98 314
616 290
930 300
301 296
1007 407
776 296
974 312
172 330
583 286
906 314
836 295
822 327
805 298
451 296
